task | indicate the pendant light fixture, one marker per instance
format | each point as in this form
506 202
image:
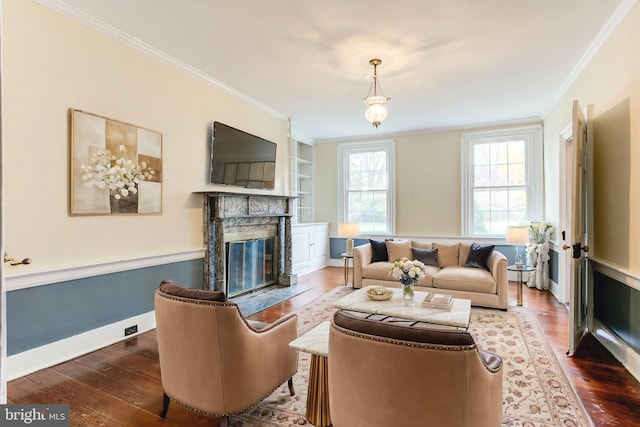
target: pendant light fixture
376 111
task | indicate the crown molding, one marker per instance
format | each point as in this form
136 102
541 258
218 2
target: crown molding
391 135
618 16
65 9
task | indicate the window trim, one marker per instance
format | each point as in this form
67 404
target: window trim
346 148
534 171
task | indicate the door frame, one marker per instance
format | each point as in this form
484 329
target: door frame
565 194
3 284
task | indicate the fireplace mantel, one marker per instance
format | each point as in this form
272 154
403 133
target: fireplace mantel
226 214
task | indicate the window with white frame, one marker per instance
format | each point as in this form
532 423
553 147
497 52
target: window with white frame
502 179
365 180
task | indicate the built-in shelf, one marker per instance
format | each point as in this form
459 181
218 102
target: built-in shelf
302 180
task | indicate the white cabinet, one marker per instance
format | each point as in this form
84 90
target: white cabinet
310 247
302 180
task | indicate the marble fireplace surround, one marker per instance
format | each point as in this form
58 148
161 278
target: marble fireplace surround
232 214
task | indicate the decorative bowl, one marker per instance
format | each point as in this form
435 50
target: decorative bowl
379 293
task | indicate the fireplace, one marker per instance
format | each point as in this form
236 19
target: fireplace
248 242
250 264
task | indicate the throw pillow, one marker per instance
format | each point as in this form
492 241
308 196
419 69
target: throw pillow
426 256
379 250
447 254
463 252
398 249
479 256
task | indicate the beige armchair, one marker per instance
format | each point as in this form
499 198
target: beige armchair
383 374
213 360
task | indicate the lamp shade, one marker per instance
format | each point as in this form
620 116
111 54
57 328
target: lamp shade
518 234
349 229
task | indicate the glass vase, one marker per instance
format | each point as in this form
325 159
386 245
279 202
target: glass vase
407 293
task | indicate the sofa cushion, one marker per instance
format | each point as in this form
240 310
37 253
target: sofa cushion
405 333
465 279
378 270
479 256
171 288
426 256
427 280
421 245
447 254
379 250
398 249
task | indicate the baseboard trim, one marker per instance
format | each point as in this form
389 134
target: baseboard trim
554 288
618 348
38 278
21 364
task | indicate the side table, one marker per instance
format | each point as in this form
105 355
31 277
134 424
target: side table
520 270
316 342
346 257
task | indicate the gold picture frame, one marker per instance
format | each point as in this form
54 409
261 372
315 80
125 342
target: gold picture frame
115 167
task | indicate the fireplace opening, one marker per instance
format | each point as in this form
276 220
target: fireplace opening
250 265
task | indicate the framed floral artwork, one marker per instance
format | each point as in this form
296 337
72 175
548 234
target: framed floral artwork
116 167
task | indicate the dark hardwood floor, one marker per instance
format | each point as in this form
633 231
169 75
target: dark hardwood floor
119 385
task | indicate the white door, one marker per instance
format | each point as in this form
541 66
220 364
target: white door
575 238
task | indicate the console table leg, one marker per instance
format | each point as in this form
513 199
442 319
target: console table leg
519 292
346 271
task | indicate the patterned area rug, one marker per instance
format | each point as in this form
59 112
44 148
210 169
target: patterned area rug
536 393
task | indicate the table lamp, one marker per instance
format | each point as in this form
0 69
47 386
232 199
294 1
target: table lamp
518 235
349 229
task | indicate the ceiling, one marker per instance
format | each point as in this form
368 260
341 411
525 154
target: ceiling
444 63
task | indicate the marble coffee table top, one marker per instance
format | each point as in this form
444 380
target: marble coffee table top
458 316
314 341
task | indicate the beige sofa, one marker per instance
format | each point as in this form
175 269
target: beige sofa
452 270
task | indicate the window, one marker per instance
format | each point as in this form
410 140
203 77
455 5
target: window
502 180
366 185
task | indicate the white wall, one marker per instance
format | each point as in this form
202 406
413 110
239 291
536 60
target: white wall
428 183
52 64
610 78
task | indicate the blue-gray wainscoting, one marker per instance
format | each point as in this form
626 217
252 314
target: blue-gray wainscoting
617 306
44 314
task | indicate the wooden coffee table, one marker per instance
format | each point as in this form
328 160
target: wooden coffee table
458 316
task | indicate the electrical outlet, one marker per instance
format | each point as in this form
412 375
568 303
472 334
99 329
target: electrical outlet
130 330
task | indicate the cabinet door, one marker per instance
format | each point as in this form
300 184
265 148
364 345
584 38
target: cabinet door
301 249
320 243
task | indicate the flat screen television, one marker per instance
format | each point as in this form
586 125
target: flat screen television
241 159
